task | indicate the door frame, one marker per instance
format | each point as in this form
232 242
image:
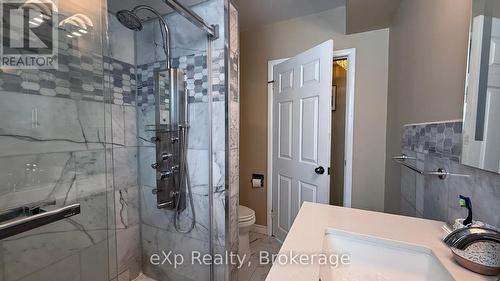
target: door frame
350 55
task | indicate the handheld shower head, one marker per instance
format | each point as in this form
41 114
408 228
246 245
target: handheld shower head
129 19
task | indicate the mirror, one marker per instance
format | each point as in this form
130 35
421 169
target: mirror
481 127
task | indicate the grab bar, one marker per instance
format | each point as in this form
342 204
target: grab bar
22 225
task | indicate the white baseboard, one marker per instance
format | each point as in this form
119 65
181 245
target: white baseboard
262 229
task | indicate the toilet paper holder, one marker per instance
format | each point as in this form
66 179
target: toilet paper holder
257 180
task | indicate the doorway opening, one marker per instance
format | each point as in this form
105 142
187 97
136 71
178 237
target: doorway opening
337 155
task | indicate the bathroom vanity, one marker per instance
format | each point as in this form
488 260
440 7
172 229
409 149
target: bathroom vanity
393 243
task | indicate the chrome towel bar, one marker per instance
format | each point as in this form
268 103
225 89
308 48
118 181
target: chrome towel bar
404 157
441 172
24 224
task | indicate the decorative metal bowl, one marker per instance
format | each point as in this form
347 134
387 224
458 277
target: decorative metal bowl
482 257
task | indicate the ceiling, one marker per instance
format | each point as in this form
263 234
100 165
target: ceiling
255 13
361 15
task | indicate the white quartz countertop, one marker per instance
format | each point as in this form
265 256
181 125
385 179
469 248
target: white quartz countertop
308 230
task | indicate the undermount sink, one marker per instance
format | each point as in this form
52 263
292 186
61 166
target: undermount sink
376 259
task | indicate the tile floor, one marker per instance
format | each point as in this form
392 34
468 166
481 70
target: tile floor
143 277
253 271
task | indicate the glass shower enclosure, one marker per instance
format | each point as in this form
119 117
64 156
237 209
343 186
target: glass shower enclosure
114 154
56 143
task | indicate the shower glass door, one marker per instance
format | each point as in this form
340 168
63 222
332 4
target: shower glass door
55 143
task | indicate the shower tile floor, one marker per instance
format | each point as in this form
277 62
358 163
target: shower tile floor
255 271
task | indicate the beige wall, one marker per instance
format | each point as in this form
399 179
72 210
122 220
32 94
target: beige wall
427 62
363 15
286 39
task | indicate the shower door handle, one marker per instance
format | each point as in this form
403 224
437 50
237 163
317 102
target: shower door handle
12 228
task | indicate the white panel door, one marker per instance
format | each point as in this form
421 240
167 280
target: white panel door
301 134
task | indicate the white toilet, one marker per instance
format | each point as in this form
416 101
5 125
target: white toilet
245 221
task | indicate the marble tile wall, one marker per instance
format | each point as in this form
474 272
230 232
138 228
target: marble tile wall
194 67
189 53
187 39
69 135
64 162
80 72
79 77
162 221
438 139
233 134
438 145
120 79
89 154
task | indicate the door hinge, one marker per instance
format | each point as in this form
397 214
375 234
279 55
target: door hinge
329 170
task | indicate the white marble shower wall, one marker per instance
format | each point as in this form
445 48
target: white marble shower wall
190 54
233 134
67 136
65 163
438 145
121 79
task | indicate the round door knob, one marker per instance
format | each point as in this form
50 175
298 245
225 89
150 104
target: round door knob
320 170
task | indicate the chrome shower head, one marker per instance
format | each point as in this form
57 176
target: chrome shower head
129 19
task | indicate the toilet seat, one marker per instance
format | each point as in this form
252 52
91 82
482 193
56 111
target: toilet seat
245 214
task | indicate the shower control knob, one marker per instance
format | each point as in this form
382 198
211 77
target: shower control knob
174 140
155 166
166 156
164 175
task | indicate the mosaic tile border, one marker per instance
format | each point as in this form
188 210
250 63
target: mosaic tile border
121 79
196 70
93 77
80 76
440 139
